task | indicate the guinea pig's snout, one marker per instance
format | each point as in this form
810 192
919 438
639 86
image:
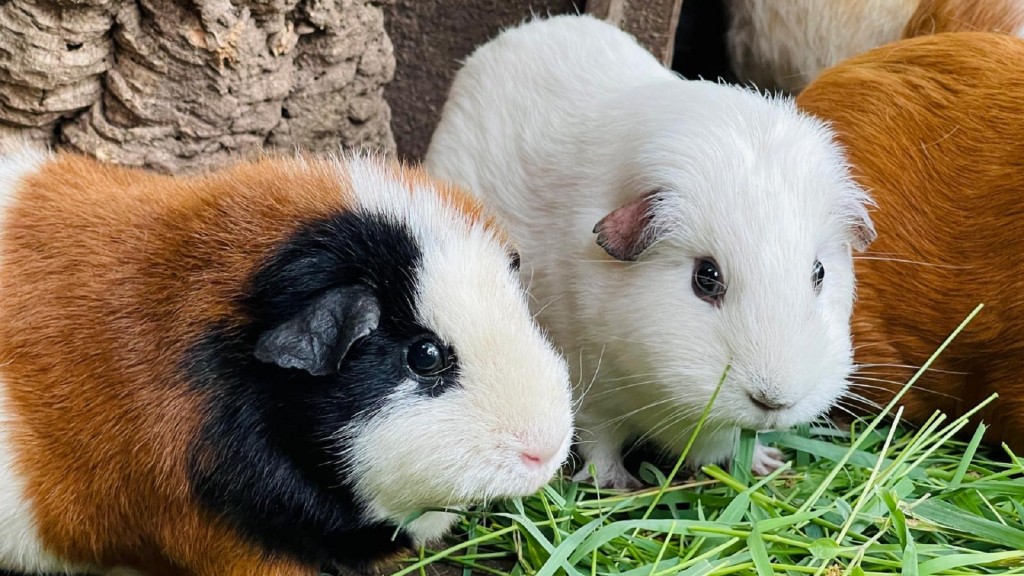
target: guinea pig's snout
536 457
768 393
768 401
541 453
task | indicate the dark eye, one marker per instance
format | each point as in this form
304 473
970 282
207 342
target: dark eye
427 358
707 280
515 260
817 275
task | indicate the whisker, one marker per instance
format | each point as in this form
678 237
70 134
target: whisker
624 387
597 369
910 367
648 374
625 416
859 382
665 424
906 261
549 303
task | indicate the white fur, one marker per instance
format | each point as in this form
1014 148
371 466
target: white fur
20 545
785 44
558 122
463 447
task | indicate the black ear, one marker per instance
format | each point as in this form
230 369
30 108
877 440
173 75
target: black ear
318 337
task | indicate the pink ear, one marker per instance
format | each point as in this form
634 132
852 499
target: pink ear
864 234
626 231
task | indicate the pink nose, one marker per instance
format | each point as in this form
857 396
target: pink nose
532 459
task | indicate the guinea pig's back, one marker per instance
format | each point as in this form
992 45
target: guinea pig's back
935 16
784 44
19 540
933 130
519 102
108 275
525 120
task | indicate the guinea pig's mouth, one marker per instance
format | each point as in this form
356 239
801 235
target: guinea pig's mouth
531 470
760 417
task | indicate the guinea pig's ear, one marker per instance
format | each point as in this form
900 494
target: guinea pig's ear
317 338
627 231
863 231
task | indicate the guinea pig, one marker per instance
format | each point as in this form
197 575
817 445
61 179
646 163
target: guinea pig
261 371
724 225
935 16
932 127
785 44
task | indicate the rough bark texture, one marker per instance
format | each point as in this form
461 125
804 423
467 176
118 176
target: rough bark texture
184 85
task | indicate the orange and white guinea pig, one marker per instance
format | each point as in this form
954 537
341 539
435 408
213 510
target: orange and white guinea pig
785 44
933 127
261 371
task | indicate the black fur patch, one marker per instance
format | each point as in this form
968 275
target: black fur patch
267 460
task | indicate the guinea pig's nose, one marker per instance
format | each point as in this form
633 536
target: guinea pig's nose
765 402
533 458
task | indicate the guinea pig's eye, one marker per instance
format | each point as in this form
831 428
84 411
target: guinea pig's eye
427 357
818 275
515 260
707 280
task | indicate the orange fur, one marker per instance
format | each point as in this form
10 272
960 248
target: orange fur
933 129
417 177
935 16
109 275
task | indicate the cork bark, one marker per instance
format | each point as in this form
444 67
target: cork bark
187 85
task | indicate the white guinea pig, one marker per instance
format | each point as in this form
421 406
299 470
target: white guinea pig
724 226
785 44
263 371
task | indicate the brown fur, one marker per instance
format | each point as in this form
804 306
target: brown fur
108 276
417 177
933 129
935 16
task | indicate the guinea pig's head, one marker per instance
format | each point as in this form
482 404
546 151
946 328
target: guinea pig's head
423 380
742 216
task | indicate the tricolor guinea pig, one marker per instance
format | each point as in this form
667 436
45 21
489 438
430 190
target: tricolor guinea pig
668 229
933 128
259 371
785 44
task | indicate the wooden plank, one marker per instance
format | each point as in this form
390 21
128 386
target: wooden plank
653 22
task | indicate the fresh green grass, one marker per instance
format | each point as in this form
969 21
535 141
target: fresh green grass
881 498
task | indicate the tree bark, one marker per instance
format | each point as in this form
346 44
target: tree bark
187 85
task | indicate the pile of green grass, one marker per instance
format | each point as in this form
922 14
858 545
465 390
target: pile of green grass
880 498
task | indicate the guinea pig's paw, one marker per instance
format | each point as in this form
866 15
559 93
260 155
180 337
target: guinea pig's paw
610 475
766 459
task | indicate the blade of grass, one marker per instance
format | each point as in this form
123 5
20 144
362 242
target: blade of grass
759 554
965 461
689 444
888 408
